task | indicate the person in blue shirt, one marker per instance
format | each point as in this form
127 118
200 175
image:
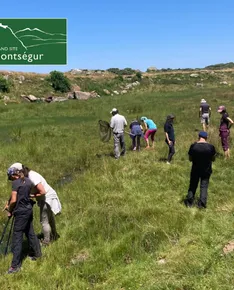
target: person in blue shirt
150 128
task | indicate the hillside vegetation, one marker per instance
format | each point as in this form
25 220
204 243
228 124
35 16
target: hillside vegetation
123 224
13 85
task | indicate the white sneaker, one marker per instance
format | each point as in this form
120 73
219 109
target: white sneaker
168 163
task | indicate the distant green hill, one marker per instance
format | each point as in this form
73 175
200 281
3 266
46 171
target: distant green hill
221 66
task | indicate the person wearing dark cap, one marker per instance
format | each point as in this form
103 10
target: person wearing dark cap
201 154
117 124
224 129
170 136
204 114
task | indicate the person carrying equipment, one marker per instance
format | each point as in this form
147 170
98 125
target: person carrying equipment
21 207
224 130
117 124
204 114
150 128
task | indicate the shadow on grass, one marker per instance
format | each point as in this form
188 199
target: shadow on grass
99 155
162 159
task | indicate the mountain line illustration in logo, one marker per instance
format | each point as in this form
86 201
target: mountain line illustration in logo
33 41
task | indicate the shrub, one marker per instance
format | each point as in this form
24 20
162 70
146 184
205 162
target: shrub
60 82
4 85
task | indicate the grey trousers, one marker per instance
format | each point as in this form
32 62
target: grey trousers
119 141
47 221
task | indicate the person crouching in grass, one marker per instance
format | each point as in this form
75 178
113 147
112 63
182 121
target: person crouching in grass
21 207
150 128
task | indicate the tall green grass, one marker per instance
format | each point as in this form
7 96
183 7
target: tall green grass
123 223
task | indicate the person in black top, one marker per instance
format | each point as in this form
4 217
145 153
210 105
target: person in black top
136 134
204 114
224 129
201 154
170 136
21 207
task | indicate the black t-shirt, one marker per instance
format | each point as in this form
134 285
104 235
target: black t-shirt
205 108
224 123
23 189
168 128
202 154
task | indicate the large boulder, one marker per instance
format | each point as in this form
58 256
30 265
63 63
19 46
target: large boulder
152 68
29 98
84 95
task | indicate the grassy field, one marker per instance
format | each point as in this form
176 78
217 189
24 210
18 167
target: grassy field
123 224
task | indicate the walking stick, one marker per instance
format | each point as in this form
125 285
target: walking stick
8 240
4 230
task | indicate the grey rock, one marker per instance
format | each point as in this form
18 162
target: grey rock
21 78
152 68
116 92
106 91
223 83
6 98
194 75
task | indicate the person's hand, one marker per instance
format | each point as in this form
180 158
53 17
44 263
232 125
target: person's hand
5 207
9 214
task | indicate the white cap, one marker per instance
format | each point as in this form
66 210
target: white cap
18 166
203 101
113 110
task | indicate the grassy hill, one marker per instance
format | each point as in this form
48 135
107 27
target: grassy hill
39 85
123 225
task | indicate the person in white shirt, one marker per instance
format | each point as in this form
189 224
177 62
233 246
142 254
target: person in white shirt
117 124
47 200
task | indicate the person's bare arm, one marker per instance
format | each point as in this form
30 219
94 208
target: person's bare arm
12 202
40 190
167 137
230 122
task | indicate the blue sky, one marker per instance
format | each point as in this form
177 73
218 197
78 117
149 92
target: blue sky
136 34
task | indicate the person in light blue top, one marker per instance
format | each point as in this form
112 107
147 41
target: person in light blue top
150 128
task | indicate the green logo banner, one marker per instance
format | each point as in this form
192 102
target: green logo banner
33 41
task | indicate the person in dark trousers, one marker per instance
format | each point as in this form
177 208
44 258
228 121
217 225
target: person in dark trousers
170 136
21 207
136 134
204 114
201 154
224 130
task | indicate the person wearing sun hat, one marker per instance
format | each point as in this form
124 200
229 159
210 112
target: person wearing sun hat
117 124
224 129
201 154
204 114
